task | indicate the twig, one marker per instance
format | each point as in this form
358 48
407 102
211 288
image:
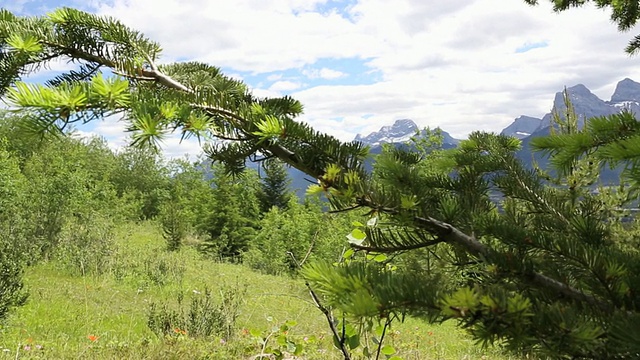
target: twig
313 242
384 332
264 344
327 314
345 209
332 326
324 310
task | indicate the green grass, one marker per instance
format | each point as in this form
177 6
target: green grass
64 310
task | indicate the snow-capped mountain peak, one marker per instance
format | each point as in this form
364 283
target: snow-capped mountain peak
401 131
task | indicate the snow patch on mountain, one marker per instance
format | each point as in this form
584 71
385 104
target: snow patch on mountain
626 104
522 127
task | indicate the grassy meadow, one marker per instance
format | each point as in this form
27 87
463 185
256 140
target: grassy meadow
79 313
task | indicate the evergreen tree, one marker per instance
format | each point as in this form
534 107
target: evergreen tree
545 273
173 220
274 188
232 215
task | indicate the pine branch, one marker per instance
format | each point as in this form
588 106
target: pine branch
165 80
450 234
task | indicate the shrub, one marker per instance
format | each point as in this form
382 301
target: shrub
204 317
86 249
174 226
292 236
161 269
13 240
11 286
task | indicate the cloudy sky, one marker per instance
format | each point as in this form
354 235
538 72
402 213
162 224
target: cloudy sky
357 65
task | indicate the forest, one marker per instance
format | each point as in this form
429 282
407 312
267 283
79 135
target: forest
184 259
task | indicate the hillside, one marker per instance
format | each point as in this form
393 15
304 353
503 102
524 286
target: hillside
106 317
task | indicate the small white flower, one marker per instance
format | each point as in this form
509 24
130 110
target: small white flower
196 292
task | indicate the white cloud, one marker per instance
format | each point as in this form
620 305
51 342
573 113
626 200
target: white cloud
113 130
284 86
442 63
324 73
16 6
173 147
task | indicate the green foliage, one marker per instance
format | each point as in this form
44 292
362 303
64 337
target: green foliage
173 225
174 215
85 249
205 316
291 237
232 216
13 240
140 175
69 181
274 187
278 343
160 270
60 201
191 193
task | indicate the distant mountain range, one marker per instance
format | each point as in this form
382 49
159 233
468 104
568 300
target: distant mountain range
585 103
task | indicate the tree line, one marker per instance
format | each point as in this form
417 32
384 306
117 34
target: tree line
61 199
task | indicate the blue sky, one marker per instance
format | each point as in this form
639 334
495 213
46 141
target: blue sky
358 65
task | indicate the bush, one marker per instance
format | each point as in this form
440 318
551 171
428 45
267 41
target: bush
11 287
86 249
13 240
290 237
204 317
174 226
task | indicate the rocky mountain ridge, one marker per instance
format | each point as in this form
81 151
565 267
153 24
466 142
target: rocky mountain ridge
585 103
